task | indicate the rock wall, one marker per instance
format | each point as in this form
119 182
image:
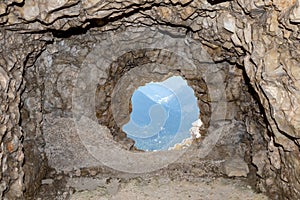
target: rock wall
18 53
12 155
111 88
261 37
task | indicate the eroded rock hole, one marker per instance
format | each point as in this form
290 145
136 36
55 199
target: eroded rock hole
163 114
139 67
64 154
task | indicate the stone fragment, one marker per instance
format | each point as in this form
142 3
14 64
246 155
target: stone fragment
274 23
30 10
274 155
113 187
47 181
236 167
88 3
16 188
195 130
295 13
12 145
3 186
165 13
259 3
4 79
228 45
56 4
248 33
2 8
236 40
249 67
259 161
187 12
271 60
77 172
128 143
229 23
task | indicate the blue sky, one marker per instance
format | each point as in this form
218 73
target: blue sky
162 114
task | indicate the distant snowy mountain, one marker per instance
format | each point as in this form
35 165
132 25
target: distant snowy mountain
162 114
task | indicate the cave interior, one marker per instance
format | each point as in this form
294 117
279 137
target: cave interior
68 70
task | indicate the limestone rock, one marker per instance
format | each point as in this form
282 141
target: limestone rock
195 129
295 13
259 160
235 167
229 23
4 79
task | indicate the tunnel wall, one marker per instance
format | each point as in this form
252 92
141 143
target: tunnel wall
63 62
260 36
18 53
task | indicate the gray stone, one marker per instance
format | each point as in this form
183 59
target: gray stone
235 167
229 23
47 181
295 13
3 79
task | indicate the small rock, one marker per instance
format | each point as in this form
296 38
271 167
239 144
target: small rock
236 167
65 195
77 172
259 161
229 23
113 187
295 14
187 12
47 181
12 145
194 131
4 79
93 172
235 39
3 8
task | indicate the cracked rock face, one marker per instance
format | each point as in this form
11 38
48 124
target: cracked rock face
43 44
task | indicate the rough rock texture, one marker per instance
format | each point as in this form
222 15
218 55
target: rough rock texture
35 164
18 53
64 61
260 37
164 189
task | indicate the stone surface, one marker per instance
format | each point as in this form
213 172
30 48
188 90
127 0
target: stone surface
12 61
295 16
167 189
47 181
236 167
